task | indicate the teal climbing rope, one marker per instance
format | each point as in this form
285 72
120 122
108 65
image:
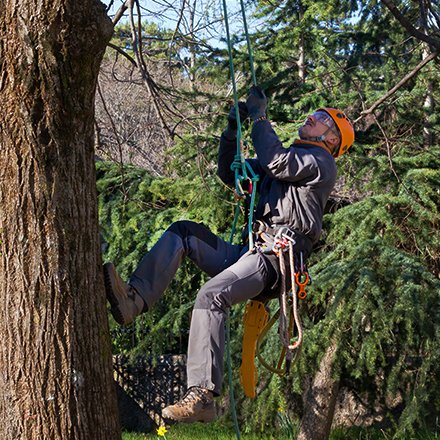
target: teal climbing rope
242 171
237 164
248 42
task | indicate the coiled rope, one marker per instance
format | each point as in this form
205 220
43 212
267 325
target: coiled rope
289 319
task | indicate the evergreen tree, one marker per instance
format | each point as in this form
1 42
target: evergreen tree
375 293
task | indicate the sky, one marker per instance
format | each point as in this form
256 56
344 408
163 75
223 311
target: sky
209 16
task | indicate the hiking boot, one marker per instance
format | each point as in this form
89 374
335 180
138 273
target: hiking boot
125 301
197 405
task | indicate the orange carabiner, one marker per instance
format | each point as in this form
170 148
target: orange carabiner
302 285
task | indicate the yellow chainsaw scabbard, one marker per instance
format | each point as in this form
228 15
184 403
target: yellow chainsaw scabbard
254 320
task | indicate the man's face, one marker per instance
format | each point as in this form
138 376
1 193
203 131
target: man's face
316 125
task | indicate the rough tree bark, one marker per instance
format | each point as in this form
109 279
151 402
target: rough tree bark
55 359
320 400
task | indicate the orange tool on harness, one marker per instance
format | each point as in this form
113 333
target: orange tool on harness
302 284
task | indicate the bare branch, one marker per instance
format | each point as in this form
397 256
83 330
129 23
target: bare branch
123 53
143 70
121 12
115 132
409 27
398 85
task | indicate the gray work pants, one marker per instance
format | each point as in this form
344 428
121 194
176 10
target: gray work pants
236 276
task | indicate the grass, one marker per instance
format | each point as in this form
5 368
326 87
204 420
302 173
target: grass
218 431
200 431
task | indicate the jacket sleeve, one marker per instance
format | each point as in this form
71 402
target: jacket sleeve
279 162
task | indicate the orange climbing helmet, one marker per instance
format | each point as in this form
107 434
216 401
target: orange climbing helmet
345 128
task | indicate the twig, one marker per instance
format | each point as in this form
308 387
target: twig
121 159
434 13
409 27
144 72
387 142
121 12
401 83
123 53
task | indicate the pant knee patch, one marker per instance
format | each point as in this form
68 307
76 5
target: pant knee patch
186 228
204 299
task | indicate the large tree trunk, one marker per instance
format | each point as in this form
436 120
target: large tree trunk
320 400
55 360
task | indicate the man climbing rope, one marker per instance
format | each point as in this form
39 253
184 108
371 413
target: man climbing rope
294 186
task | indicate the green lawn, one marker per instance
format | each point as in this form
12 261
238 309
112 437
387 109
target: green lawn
200 431
218 431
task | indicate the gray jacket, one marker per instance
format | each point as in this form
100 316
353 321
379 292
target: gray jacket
295 183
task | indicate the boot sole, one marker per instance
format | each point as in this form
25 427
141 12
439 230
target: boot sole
208 419
111 297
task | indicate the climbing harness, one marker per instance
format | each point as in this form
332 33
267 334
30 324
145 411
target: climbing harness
256 319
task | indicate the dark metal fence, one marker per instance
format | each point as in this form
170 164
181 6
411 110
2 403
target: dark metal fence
151 383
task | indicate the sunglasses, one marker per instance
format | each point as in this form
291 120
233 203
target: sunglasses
325 119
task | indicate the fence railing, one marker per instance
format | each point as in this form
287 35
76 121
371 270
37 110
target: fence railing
152 383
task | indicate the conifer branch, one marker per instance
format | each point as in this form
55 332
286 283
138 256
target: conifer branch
409 27
401 83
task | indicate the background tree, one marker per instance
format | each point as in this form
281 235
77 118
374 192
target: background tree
56 378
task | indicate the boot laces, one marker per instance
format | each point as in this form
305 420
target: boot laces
193 395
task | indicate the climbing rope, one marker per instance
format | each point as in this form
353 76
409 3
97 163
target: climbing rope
289 319
248 42
241 169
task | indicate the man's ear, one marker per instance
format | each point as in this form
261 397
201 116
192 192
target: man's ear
333 140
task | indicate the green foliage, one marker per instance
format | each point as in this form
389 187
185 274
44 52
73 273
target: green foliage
213 431
134 210
375 276
376 280
221 431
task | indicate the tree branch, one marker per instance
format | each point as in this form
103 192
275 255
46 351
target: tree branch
401 83
434 13
121 12
409 27
123 53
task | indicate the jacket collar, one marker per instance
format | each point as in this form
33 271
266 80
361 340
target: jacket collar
314 143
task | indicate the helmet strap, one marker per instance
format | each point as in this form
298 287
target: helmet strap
320 138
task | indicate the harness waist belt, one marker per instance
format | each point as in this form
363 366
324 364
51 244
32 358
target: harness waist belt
268 234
